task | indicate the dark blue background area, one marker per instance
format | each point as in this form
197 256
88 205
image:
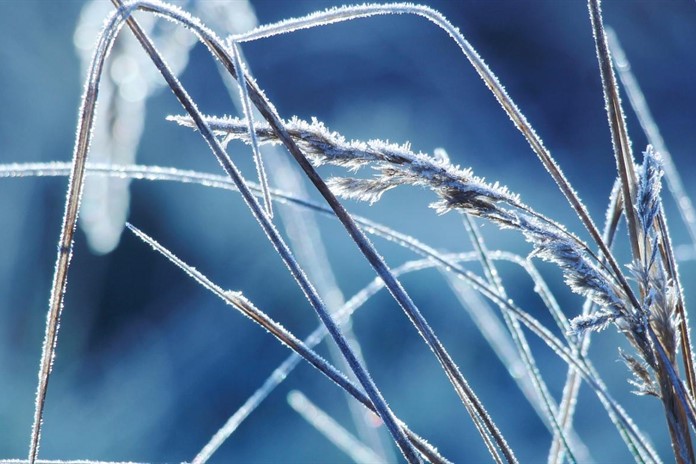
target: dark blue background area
149 365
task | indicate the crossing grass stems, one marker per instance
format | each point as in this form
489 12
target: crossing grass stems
647 306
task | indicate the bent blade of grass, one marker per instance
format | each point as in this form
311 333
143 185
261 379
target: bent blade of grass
281 248
347 13
239 302
332 430
72 205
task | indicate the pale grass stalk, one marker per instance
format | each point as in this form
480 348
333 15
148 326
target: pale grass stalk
677 404
65 242
332 430
248 114
310 248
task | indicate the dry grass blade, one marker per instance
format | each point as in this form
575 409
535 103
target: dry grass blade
65 243
248 114
327 426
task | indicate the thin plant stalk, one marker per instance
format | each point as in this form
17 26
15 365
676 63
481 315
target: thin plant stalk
674 183
65 242
248 114
332 430
362 11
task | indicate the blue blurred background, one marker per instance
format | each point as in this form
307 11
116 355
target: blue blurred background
149 365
